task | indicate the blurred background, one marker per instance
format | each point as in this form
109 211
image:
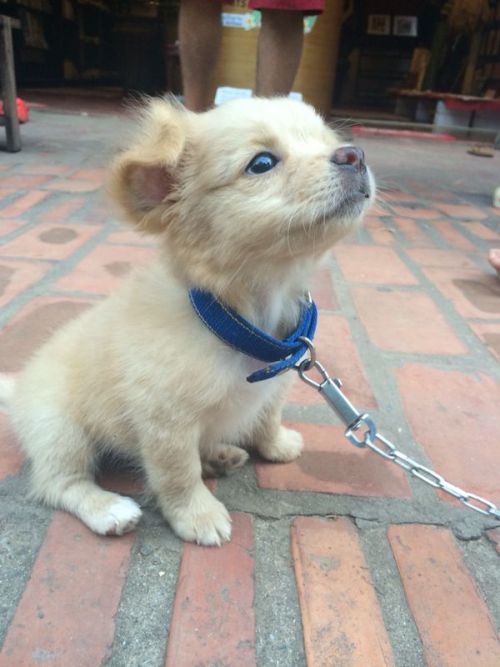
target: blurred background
382 62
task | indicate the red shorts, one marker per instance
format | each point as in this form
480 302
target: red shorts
305 6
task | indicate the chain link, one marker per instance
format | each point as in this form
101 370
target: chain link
331 391
430 477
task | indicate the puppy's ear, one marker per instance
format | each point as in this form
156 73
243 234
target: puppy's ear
144 177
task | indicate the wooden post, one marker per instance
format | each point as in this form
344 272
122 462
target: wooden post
8 84
468 84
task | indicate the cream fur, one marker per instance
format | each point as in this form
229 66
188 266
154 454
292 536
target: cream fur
139 373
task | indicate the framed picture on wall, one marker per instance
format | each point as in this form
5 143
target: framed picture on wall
405 26
379 24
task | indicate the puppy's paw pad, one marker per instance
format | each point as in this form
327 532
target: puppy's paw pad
287 447
223 460
120 517
210 526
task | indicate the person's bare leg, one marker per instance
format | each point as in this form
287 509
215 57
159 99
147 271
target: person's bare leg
200 33
279 51
494 259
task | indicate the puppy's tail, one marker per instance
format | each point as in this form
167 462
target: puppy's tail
7 386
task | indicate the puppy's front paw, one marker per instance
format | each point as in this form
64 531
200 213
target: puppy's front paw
223 459
204 520
118 517
286 447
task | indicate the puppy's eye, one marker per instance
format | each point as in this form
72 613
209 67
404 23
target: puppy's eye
261 163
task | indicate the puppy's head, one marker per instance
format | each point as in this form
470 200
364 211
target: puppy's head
252 182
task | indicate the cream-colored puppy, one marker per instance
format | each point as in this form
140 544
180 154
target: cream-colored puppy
244 200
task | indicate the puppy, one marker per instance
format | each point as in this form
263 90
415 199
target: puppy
244 201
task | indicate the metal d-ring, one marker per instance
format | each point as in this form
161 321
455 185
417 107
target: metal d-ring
312 353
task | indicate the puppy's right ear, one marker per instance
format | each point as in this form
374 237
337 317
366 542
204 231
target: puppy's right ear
144 177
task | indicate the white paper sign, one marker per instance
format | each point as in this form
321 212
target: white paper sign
226 93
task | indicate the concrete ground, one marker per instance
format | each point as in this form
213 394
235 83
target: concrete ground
337 559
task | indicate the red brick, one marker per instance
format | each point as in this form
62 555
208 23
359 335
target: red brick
341 617
32 326
452 235
489 334
18 275
213 621
494 536
463 211
380 207
474 293
66 613
8 226
24 182
381 233
73 185
362 264
397 196
61 211
104 268
405 322
452 618
49 241
23 204
415 213
338 354
11 458
322 291
481 231
412 231
434 257
97 175
455 417
330 464
430 194
50 169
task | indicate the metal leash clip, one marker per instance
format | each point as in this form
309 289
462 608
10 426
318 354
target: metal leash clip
331 390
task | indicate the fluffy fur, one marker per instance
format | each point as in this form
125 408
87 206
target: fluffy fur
139 374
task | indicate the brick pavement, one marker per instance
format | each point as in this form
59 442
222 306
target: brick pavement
336 559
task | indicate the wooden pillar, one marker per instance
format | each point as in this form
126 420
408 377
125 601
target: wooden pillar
8 84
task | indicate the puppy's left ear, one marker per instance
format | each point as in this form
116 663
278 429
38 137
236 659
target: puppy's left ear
144 177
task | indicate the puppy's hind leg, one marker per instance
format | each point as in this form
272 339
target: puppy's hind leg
62 459
273 441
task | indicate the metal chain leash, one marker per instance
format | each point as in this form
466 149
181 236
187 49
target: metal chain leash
331 390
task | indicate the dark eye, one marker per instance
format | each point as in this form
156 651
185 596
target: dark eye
261 163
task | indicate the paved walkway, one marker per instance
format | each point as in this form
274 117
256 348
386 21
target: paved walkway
337 559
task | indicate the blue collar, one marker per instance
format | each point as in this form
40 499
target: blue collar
237 332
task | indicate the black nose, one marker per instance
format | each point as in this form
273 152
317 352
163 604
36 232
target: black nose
349 155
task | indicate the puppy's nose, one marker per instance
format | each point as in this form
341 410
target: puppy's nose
349 155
